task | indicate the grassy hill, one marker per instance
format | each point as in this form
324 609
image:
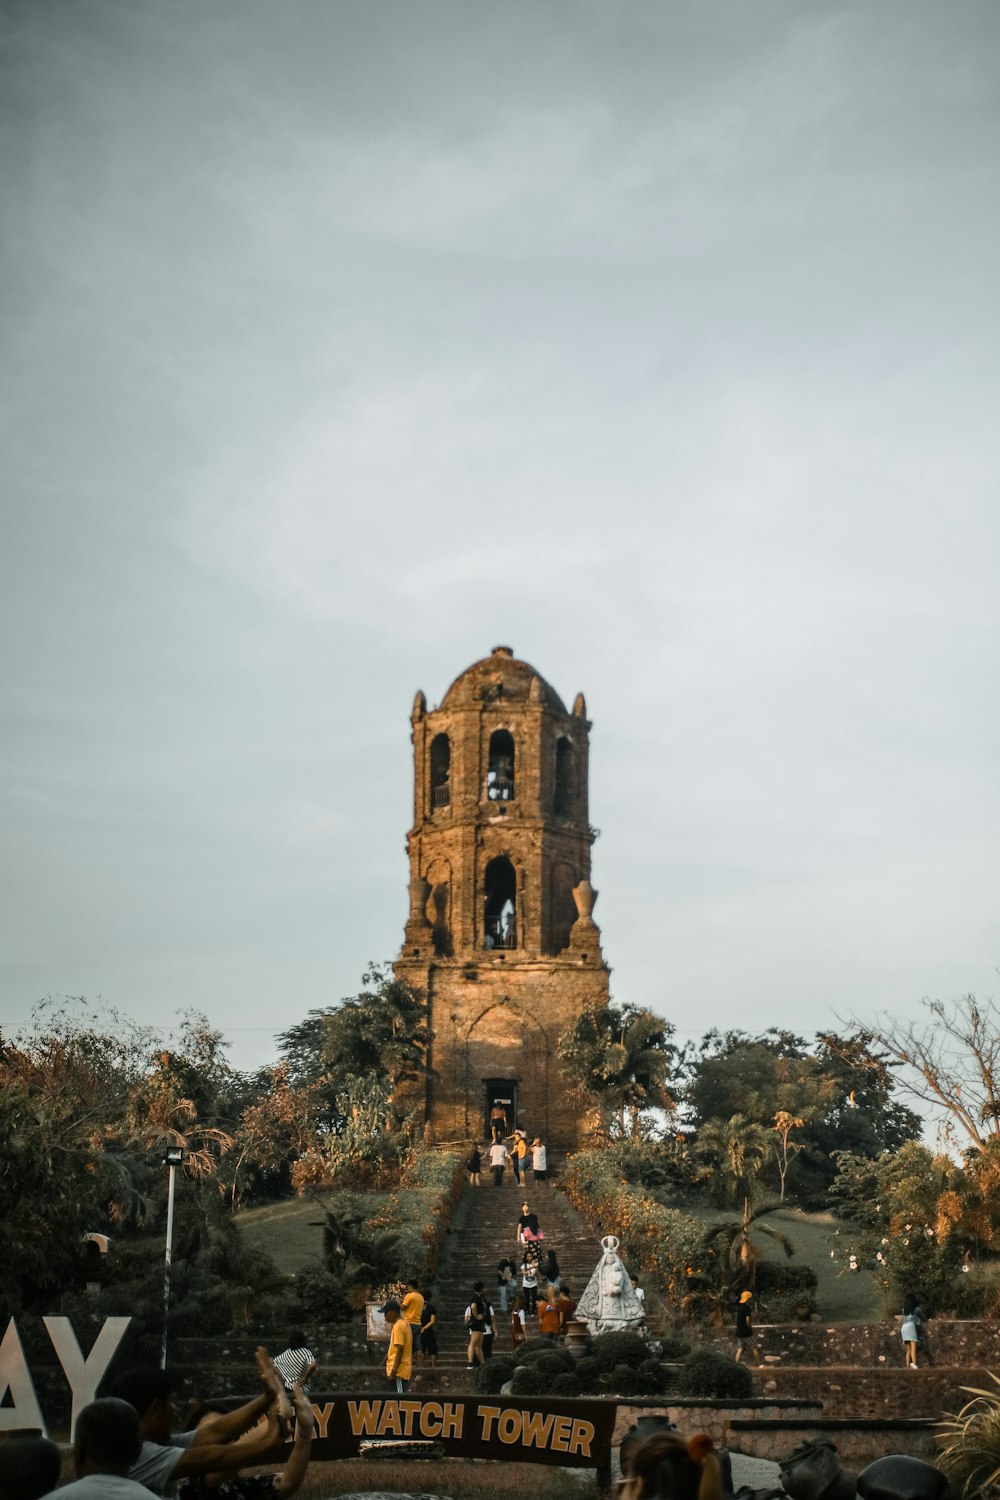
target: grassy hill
285 1231
849 1298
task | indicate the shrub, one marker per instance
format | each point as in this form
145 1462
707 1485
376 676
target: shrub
619 1348
528 1382
533 1347
320 1295
783 1307
567 1384
708 1373
674 1349
588 1369
551 1363
662 1379
780 1278
495 1373
632 1382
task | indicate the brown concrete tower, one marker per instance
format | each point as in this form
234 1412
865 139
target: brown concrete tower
500 939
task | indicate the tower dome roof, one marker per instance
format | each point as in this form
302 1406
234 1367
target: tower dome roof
501 677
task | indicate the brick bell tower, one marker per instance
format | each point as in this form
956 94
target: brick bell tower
500 939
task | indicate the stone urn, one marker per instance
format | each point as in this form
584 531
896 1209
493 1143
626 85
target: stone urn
577 1337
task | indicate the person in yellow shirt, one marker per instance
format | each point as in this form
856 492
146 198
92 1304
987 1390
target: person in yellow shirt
399 1360
412 1307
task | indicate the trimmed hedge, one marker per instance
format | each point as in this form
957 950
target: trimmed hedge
619 1362
708 1373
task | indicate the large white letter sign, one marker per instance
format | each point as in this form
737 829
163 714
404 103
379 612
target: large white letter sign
85 1375
15 1378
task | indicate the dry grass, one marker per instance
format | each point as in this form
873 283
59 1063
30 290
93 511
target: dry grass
462 1479
286 1230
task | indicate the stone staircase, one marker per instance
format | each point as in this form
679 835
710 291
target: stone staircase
484 1228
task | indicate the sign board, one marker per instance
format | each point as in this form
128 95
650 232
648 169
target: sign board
19 1408
572 1432
376 1327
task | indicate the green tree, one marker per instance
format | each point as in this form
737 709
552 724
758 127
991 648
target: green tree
735 1152
735 1244
618 1061
865 1114
840 1087
755 1076
88 1101
905 1209
376 1038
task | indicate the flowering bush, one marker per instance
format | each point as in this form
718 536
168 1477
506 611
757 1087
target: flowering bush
900 1230
661 1241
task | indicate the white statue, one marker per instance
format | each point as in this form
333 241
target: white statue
609 1301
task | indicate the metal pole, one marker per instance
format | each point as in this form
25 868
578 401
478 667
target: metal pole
172 1169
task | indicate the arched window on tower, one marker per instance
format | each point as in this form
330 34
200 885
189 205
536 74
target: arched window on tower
440 770
500 772
500 902
563 793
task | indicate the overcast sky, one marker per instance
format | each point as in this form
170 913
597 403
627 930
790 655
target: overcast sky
344 341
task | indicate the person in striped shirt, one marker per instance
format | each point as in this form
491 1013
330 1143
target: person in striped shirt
292 1361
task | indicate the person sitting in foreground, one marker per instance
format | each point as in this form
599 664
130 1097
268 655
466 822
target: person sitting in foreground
106 1443
29 1467
220 1444
665 1467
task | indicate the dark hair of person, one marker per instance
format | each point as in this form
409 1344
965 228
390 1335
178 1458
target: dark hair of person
909 1303
297 1339
107 1434
669 1468
142 1385
29 1468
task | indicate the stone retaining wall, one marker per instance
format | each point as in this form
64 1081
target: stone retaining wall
949 1342
772 1430
880 1393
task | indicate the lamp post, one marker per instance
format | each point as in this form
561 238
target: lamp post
173 1158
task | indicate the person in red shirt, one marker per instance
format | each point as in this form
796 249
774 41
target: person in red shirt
567 1307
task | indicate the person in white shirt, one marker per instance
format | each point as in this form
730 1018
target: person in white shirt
292 1361
105 1446
539 1160
498 1160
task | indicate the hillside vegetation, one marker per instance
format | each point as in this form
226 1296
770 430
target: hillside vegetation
285 1231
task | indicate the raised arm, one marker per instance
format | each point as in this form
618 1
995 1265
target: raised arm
294 1471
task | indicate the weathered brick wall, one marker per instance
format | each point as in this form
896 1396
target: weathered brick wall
497 1013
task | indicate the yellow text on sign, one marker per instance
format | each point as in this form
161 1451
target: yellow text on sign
535 1429
407 1419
